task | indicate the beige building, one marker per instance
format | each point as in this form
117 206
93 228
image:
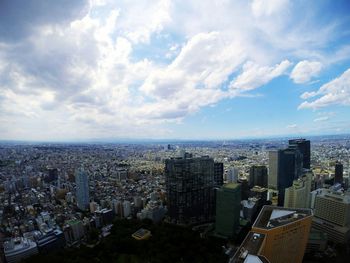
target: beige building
333 207
298 195
332 215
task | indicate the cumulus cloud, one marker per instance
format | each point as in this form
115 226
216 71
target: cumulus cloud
254 75
105 68
336 91
305 70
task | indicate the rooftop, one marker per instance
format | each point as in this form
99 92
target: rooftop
250 249
272 216
231 186
141 234
16 245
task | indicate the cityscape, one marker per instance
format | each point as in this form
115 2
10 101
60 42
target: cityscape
198 131
251 196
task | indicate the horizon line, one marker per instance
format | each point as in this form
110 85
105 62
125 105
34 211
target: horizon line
130 140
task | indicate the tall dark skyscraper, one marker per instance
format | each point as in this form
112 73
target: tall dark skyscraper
284 167
338 173
190 185
219 173
304 147
258 176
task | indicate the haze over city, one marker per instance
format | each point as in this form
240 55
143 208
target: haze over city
100 69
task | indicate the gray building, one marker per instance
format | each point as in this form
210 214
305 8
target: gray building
82 189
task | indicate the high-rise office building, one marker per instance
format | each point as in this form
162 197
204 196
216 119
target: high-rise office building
219 173
190 185
304 147
284 167
298 195
286 233
82 189
338 173
273 169
332 215
333 207
228 201
258 176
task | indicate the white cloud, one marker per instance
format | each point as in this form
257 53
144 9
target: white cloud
336 91
95 74
268 7
305 70
292 126
324 118
254 75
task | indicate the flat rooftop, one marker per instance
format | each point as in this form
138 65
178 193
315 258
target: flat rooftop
274 216
249 250
231 186
141 234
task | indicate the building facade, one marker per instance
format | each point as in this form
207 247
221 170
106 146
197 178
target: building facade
258 176
190 187
286 233
285 166
228 199
304 148
298 195
82 189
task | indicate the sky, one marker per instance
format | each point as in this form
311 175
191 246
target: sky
162 69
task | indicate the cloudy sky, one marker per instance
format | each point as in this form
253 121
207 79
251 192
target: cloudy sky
173 69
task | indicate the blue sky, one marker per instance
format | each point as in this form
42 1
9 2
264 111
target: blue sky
173 69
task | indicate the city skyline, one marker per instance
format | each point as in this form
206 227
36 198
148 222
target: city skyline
166 70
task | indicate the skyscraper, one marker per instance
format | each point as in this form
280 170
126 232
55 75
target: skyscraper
286 233
190 187
338 173
219 173
82 189
258 176
304 147
228 201
298 195
284 167
273 169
